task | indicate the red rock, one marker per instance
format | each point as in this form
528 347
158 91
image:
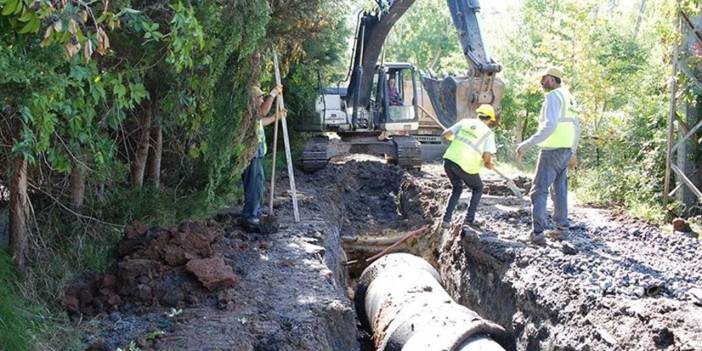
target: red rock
109 281
71 303
114 300
213 273
131 269
680 225
135 230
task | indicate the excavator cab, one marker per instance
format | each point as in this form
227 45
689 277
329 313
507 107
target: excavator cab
395 98
393 101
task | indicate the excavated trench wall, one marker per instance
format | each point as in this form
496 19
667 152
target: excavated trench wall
613 283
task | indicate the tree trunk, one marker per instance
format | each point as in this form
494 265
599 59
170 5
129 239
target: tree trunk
642 9
18 214
520 126
156 149
77 186
142 149
524 127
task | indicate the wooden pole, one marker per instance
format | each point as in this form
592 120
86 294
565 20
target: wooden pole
397 243
288 157
278 112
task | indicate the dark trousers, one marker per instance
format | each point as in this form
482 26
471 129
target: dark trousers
458 177
253 188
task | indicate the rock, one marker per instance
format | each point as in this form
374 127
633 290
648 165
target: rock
607 337
663 338
696 296
71 303
109 281
213 273
98 345
568 249
681 225
131 269
143 292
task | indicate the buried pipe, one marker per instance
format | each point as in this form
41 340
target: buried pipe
399 298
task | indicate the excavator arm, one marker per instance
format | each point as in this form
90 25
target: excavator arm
451 99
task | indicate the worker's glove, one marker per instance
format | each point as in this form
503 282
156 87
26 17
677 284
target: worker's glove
282 113
277 90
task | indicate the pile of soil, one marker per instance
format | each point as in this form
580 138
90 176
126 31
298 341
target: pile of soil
499 187
166 267
369 195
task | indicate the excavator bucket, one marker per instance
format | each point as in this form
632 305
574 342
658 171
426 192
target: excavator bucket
455 98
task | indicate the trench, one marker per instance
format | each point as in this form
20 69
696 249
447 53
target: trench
294 290
614 283
380 210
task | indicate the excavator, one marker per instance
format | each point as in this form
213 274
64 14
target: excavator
378 112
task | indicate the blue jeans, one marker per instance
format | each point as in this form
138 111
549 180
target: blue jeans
551 172
458 177
253 188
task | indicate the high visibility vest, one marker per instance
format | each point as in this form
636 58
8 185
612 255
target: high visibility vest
466 148
564 135
261 136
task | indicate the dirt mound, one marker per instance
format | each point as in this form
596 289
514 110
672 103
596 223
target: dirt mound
369 196
500 187
168 267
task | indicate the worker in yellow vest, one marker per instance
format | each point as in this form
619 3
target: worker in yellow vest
557 137
472 146
252 177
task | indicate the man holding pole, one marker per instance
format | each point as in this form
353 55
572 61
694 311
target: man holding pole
253 177
557 138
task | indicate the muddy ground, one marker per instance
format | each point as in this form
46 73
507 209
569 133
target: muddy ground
617 284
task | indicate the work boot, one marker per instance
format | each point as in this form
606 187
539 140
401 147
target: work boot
537 238
476 223
559 234
251 225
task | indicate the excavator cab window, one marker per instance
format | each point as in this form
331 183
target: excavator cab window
399 102
394 93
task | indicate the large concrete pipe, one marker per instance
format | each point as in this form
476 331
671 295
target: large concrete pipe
399 298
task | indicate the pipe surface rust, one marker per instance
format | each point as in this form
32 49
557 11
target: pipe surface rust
399 298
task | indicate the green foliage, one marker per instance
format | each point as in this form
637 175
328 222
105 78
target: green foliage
619 81
426 37
15 328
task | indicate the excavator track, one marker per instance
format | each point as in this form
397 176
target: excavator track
314 154
409 152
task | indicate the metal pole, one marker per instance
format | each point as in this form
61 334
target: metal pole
288 157
671 114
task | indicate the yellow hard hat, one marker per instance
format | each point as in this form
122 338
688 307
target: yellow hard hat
486 110
256 91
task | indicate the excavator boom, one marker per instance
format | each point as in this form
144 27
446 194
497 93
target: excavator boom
454 97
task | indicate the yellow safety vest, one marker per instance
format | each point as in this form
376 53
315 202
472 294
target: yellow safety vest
564 135
466 148
261 136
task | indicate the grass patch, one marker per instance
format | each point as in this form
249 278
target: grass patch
614 188
16 329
